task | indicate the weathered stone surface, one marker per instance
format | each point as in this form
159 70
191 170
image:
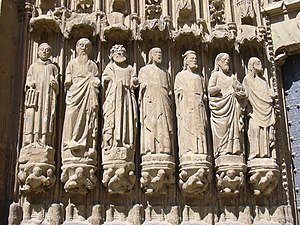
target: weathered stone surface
195 169
79 153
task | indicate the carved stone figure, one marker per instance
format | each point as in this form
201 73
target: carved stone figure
260 110
119 105
155 184
225 97
230 183
37 182
120 119
155 105
121 182
81 117
196 183
156 123
82 85
37 154
190 107
78 183
264 182
40 99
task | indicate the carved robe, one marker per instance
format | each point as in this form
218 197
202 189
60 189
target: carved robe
261 116
80 126
226 119
40 100
119 107
155 111
191 113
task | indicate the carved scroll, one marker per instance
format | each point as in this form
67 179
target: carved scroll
36 161
79 154
190 101
261 132
156 119
120 122
226 96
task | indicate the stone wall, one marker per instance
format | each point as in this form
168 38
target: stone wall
120 116
9 39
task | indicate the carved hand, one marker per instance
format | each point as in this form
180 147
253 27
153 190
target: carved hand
53 83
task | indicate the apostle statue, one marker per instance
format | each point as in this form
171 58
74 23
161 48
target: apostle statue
260 110
40 99
190 107
82 83
119 105
155 107
226 94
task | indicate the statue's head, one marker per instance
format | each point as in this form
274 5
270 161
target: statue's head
190 60
83 45
37 171
44 51
161 173
118 54
255 66
230 173
155 56
49 172
222 62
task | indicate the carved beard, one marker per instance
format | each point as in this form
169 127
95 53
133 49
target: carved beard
82 55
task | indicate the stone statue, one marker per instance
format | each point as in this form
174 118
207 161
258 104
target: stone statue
36 158
119 105
82 83
120 121
190 107
81 117
260 110
40 99
225 97
155 106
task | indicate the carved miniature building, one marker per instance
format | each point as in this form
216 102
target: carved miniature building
150 112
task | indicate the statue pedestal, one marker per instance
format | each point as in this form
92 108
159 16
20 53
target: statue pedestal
195 174
118 165
157 173
36 168
230 174
264 174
